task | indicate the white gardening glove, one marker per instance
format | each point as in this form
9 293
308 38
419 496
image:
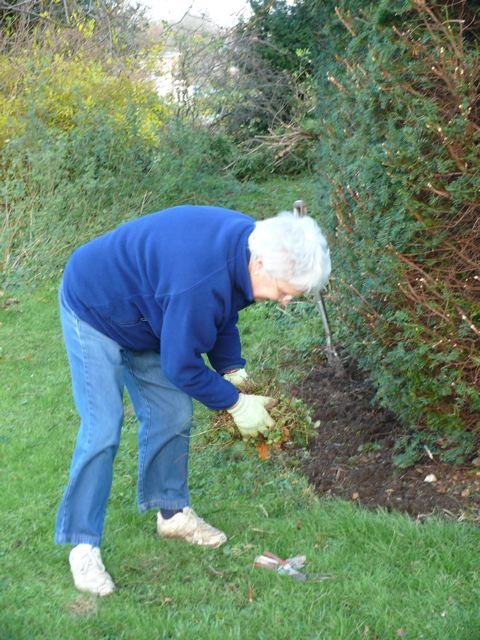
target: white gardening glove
239 378
251 416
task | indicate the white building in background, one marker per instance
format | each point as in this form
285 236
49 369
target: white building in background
168 78
165 76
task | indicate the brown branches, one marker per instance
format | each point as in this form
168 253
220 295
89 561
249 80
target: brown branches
420 88
428 293
445 57
346 20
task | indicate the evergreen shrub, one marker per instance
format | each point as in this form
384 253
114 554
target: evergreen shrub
399 158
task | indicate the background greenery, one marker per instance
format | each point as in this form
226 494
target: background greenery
378 102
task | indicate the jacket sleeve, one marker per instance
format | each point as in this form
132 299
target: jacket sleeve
227 351
189 330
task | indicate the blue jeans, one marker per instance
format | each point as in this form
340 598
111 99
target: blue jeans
100 369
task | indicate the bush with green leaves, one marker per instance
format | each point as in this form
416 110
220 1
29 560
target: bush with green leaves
78 132
401 129
86 144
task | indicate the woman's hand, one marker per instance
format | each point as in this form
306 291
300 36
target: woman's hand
238 377
251 416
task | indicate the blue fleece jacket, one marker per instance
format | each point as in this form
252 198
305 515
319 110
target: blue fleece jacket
172 281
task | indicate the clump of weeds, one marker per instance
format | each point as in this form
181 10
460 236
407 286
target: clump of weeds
293 426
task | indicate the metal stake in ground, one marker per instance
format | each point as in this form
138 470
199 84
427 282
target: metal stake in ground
300 208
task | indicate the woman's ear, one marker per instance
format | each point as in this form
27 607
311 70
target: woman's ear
257 265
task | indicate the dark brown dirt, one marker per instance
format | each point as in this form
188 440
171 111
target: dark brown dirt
352 454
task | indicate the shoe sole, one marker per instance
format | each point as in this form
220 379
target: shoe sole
95 593
197 544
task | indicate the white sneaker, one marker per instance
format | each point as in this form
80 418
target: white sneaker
186 525
89 572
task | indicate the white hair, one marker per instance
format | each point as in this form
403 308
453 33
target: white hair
293 249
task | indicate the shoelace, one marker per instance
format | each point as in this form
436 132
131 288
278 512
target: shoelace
200 528
90 559
196 520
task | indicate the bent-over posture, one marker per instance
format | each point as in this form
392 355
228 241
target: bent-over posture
140 305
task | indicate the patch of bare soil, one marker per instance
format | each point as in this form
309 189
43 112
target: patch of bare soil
352 453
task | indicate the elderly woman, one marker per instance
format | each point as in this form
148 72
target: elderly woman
139 306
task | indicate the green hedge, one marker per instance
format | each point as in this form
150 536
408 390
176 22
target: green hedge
399 159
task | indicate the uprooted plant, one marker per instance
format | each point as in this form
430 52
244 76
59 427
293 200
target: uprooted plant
293 424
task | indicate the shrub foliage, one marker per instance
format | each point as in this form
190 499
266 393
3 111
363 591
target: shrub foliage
75 136
400 156
86 143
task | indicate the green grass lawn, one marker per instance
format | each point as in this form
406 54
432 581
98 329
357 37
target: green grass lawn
390 577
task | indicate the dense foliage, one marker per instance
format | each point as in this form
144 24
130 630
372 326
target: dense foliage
113 24
85 143
400 161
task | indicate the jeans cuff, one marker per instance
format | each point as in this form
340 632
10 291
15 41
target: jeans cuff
75 539
162 504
